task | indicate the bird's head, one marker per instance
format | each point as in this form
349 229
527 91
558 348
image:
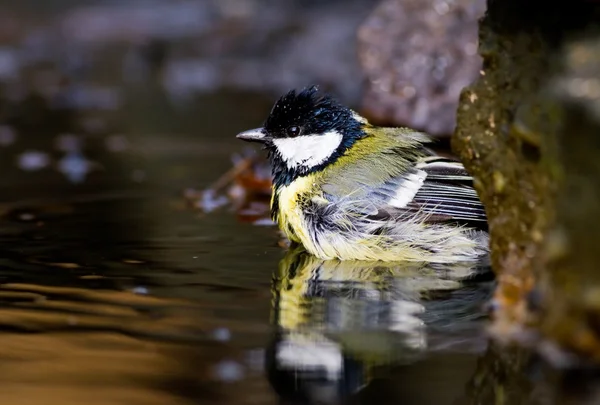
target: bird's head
304 132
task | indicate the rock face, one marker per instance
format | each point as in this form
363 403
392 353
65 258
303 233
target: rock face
528 130
417 56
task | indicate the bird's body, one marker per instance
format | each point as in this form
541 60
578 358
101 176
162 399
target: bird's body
347 189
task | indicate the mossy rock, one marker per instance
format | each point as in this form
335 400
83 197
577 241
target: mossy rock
529 131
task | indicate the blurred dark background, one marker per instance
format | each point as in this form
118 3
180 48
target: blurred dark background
80 79
153 75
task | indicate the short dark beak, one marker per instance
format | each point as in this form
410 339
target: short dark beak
253 135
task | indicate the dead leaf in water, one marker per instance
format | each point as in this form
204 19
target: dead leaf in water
246 187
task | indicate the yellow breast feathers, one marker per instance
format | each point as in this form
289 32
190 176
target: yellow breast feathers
291 201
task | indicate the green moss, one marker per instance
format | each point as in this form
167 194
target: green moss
527 130
499 136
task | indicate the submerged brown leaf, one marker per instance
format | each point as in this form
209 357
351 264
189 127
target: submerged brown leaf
246 188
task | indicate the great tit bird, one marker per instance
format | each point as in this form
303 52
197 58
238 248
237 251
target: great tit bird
350 190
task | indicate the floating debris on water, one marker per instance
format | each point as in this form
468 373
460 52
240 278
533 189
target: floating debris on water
264 222
210 201
33 160
228 371
26 216
75 167
221 334
139 290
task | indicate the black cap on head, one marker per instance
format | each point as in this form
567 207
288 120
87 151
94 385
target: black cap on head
310 112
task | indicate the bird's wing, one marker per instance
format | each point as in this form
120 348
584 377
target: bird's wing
447 191
438 188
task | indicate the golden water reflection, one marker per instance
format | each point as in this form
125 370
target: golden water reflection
78 346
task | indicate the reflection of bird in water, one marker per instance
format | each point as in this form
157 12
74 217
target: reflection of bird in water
338 320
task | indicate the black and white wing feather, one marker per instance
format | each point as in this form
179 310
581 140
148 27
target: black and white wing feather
448 191
437 187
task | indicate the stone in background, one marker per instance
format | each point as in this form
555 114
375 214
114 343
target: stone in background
417 56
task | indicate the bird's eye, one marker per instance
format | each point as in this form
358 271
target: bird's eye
293 131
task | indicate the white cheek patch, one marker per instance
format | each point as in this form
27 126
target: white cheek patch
408 189
308 150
